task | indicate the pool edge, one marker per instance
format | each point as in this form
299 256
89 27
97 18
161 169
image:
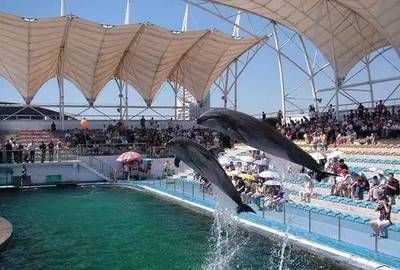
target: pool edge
6 230
340 257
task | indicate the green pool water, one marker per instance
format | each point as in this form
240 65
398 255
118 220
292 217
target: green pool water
112 228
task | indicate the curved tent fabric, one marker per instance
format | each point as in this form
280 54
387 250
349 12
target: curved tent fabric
354 28
384 15
152 56
29 51
92 54
206 61
89 55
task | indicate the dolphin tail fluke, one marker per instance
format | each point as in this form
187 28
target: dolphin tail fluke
245 208
321 175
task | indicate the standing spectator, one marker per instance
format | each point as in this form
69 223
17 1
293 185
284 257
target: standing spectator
15 151
31 151
264 117
51 150
58 151
42 148
279 116
392 189
20 152
143 122
53 127
308 188
383 221
8 147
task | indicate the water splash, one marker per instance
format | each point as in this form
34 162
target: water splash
227 239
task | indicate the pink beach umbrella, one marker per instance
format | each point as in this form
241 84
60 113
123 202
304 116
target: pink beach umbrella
128 157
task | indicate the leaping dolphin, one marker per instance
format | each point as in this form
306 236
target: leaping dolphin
206 164
251 131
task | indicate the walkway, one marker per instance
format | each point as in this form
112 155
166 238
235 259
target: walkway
5 231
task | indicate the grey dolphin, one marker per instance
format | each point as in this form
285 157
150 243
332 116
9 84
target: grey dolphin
251 131
206 164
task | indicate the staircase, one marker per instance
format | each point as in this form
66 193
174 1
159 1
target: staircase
99 167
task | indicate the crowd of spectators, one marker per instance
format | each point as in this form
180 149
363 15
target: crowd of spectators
149 137
363 126
14 152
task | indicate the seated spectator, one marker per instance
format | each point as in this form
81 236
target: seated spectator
384 208
342 183
249 192
374 189
258 195
230 167
274 199
392 189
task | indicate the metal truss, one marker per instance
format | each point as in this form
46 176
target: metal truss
313 71
310 65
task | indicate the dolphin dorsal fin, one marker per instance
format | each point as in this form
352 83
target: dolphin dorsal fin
176 162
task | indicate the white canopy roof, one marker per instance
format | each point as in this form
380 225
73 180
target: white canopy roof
354 27
90 55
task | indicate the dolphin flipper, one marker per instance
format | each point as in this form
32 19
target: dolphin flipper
176 162
244 208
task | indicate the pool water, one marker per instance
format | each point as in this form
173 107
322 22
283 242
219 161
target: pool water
113 228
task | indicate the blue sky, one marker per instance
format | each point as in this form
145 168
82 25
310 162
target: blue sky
259 88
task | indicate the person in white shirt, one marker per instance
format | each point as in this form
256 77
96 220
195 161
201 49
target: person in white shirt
342 183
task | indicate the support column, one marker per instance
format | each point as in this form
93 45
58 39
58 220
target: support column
371 87
176 102
184 103
310 73
121 96
281 78
60 81
338 84
226 86
236 85
126 102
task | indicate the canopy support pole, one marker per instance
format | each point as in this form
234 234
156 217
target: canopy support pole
281 78
225 91
310 73
337 91
120 85
371 86
126 102
338 81
236 86
184 103
60 81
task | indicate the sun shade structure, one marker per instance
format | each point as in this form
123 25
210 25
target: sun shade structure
90 55
344 30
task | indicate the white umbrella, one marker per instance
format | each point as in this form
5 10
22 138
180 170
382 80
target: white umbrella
317 156
247 159
334 154
224 160
272 183
269 174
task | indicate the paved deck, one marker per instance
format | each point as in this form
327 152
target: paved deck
6 230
